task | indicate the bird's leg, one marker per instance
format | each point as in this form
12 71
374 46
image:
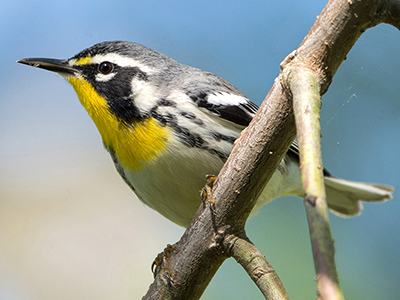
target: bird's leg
206 192
162 260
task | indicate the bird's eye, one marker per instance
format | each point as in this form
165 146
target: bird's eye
106 67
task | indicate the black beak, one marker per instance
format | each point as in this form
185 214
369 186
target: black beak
54 65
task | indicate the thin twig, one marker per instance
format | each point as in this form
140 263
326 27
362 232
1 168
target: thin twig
258 268
306 106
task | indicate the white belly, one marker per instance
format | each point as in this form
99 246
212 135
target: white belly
171 184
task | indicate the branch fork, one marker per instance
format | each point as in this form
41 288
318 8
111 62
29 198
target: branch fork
292 104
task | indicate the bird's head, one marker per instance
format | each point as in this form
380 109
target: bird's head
111 80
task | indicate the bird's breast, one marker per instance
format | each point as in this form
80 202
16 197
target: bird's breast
134 144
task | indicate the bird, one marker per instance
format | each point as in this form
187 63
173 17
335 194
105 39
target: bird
167 125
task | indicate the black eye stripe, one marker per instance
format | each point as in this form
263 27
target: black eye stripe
117 90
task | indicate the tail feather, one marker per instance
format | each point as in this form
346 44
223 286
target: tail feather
344 197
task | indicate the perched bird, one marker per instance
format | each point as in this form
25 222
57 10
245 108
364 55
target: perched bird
167 125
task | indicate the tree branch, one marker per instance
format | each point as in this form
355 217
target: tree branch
214 236
258 268
308 72
201 249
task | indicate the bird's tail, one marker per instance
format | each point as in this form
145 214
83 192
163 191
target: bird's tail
344 197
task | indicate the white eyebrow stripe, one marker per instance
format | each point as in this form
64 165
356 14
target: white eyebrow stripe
120 60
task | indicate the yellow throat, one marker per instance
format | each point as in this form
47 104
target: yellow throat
134 144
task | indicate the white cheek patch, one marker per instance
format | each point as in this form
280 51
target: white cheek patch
104 78
144 94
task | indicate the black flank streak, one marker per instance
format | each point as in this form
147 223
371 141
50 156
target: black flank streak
192 117
165 102
188 138
163 119
187 115
221 155
119 168
218 137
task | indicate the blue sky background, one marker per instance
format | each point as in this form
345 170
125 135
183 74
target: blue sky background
71 229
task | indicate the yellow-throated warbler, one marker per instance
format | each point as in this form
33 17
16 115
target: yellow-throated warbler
167 125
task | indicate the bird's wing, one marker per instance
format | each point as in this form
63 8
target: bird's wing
232 107
235 108
294 148
227 102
